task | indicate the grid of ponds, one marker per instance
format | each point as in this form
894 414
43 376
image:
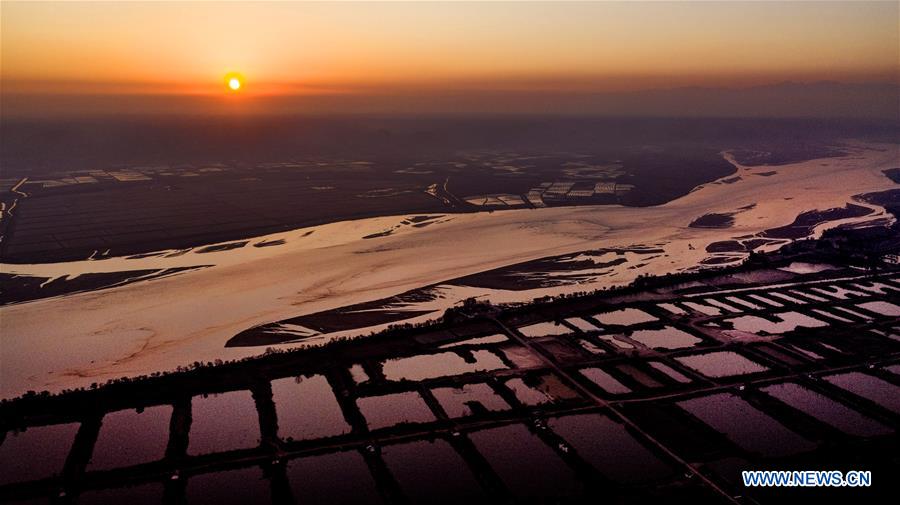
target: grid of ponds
663 395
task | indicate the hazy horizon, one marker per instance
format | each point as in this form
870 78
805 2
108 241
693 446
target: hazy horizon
770 59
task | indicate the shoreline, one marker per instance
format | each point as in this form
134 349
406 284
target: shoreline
153 326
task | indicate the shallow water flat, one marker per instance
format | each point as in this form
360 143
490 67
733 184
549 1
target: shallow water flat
249 286
590 347
708 310
521 356
606 381
223 422
764 299
358 373
469 399
142 494
389 410
340 478
826 410
869 387
39 451
128 437
624 317
672 308
582 324
544 329
740 301
667 337
517 455
785 322
669 371
597 438
540 390
429 366
721 364
489 339
746 426
432 472
306 408
245 485
882 308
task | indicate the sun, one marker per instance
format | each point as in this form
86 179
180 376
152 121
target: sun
234 81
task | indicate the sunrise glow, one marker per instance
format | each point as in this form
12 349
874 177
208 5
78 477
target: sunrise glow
524 53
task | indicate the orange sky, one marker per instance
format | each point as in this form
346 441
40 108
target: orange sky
328 48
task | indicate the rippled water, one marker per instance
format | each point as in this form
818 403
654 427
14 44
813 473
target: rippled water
721 364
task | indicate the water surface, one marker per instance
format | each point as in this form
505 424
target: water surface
529 468
881 307
129 438
671 372
540 390
721 364
582 324
35 453
142 494
222 422
606 381
306 408
785 322
624 317
544 329
245 485
610 448
469 399
429 366
746 426
389 410
869 387
667 337
432 472
826 410
340 478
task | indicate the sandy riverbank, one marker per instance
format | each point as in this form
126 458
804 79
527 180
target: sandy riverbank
155 325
